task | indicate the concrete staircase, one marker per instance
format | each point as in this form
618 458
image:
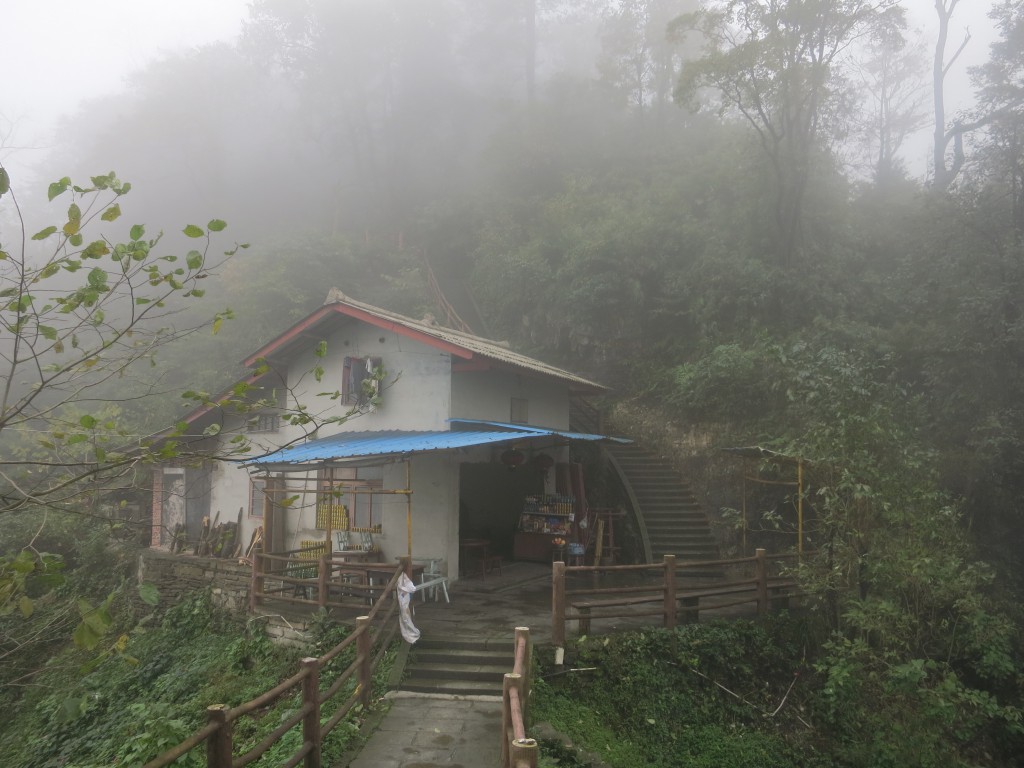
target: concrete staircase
464 667
670 519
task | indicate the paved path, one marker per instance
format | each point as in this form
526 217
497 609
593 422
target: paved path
423 732
428 730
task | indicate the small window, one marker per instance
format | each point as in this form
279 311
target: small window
361 380
520 411
264 422
257 497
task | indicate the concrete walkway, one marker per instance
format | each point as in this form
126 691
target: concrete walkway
428 730
423 731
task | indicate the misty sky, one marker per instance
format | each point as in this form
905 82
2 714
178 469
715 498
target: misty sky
59 52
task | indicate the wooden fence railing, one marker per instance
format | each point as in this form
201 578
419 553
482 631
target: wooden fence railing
666 598
372 637
313 578
517 750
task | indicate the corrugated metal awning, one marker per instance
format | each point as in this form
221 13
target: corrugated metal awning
353 448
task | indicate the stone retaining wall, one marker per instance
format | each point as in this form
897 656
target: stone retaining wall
177 575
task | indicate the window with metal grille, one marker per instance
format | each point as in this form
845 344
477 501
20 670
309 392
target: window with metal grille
264 422
361 379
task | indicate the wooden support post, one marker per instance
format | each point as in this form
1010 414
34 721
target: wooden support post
524 634
256 587
761 574
321 581
524 753
363 653
508 681
311 722
219 746
670 591
583 626
558 604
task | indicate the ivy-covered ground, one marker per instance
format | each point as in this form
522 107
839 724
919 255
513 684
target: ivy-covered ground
739 694
130 707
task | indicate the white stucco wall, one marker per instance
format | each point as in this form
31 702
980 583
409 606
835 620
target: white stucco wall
488 395
417 388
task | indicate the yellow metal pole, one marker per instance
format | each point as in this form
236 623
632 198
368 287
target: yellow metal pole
408 507
324 502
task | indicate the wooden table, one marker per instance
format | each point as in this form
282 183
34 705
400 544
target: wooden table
477 551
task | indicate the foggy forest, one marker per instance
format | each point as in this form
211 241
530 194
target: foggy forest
705 206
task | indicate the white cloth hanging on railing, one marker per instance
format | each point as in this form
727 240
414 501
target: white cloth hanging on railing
406 589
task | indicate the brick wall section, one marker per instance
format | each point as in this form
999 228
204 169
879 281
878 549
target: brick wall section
177 575
157 511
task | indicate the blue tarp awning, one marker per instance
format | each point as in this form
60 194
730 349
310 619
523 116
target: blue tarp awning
351 448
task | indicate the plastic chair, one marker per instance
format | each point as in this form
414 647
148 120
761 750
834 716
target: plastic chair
431 579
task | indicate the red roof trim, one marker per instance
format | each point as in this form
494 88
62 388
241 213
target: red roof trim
367 317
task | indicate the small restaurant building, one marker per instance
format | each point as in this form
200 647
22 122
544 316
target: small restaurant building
429 443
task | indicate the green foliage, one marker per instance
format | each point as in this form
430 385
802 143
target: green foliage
728 384
79 316
696 695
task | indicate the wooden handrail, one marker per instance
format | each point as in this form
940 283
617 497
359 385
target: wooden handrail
217 733
517 751
675 600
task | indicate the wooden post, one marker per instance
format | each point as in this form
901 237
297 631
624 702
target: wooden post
507 682
524 753
670 591
321 581
524 633
761 574
363 653
219 746
311 722
558 604
256 587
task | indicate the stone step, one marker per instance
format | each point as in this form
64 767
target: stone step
452 687
468 656
447 671
468 643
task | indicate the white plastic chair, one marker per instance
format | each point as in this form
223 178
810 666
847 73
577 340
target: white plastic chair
431 579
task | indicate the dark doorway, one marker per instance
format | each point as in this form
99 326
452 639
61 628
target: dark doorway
490 501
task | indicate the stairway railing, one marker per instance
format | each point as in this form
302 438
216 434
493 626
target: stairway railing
517 750
376 628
